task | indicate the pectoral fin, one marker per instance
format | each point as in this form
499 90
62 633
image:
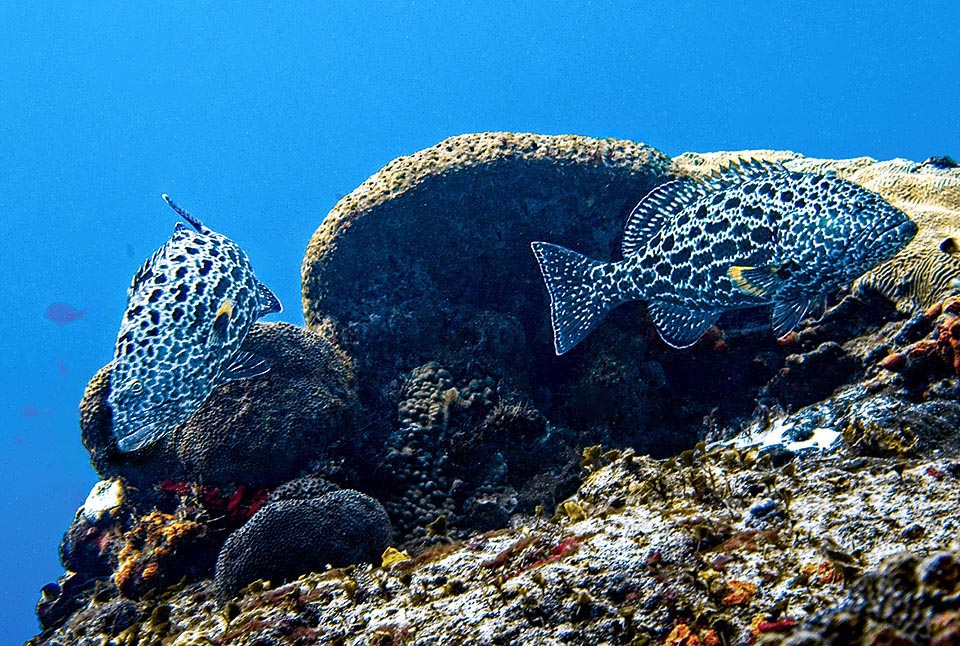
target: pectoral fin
225 312
244 366
757 281
788 314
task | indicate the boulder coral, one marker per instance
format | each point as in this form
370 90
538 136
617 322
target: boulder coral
257 432
291 537
429 259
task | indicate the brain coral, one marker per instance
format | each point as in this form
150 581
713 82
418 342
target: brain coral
258 432
287 538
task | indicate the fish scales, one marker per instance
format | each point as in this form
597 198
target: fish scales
754 234
189 308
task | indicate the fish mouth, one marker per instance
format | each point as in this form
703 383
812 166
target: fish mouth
905 230
902 231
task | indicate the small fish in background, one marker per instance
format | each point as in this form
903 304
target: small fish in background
29 411
754 234
62 368
62 313
189 309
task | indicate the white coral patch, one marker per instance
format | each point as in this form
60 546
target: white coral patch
105 496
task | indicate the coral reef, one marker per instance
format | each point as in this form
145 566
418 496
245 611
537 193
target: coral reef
258 432
793 491
717 544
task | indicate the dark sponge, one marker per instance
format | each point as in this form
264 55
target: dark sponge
288 538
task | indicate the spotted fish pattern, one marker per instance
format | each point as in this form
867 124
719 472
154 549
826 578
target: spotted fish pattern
753 234
189 309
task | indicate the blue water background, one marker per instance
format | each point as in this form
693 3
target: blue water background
258 116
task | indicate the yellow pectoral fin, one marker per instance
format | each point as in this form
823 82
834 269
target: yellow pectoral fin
226 308
222 319
756 281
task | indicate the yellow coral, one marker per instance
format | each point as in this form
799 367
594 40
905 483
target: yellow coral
392 555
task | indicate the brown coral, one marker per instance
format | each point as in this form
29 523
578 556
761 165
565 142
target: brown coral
258 432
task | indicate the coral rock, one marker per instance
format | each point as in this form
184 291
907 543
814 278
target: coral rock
258 432
287 538
905 601
429 259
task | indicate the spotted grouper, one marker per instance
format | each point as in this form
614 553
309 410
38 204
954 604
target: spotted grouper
189 309
753 234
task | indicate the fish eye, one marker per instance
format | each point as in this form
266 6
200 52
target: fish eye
858 204
136 388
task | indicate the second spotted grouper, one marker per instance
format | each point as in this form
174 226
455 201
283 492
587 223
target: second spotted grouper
753 234
189 309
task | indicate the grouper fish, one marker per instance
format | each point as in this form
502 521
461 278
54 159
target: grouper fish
189 309
753 234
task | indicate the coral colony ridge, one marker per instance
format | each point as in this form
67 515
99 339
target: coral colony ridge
437 457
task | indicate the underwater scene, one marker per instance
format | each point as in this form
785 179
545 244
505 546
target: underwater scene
425 323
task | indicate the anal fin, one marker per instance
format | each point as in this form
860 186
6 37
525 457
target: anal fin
680 327
788 314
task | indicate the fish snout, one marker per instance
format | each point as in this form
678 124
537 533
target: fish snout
908 230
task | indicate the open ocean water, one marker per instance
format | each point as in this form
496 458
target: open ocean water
258 116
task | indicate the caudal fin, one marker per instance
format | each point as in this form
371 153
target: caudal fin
579 299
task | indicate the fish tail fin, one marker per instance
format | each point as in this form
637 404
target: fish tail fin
579 298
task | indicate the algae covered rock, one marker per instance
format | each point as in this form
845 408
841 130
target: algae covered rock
721 544
257 432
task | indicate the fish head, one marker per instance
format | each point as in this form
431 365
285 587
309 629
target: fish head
140 417
874 230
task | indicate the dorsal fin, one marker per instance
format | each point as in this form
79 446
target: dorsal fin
744 169
186 215
658 207
144 273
